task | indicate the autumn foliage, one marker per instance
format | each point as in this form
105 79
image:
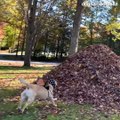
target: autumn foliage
90 76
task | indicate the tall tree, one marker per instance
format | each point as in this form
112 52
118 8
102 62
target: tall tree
30 31
76 27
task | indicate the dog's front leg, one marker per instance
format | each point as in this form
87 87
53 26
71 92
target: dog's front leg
53 102
54 99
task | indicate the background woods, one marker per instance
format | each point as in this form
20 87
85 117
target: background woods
50 29
76 43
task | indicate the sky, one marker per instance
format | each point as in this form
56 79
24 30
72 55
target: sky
100 9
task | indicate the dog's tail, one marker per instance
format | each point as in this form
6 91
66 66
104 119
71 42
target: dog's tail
24 82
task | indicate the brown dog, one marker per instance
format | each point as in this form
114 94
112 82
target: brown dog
34 91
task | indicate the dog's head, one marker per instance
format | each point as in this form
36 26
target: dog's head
39 81
53 82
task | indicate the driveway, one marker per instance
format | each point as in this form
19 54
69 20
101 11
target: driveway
33 63
12 62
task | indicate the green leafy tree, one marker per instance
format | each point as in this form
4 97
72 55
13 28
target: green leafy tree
9 40
114 29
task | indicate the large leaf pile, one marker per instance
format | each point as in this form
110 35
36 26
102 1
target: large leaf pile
90 76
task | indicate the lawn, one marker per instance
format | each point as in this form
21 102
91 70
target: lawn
10 90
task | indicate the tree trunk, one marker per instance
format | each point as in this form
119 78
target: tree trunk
23 42
76 28
46 41
91 28
19 38
62 45
30 32
58 48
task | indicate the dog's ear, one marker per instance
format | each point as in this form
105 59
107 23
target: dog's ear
38 78
40 81
35 82
46 85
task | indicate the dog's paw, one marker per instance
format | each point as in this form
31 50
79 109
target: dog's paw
19 110
55 98
55 105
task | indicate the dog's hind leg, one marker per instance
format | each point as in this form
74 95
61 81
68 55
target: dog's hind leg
28 102
23 99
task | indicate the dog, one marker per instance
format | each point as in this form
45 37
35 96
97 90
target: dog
34 91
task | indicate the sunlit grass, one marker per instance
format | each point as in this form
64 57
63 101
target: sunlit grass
9 75
12 70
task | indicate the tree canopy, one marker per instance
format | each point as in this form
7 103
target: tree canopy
46 28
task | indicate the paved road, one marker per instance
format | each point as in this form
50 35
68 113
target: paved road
12 56
34 63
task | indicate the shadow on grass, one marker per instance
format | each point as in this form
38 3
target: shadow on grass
8 93
8 101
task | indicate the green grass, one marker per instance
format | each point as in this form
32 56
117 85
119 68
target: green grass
9 98
14 69
80 112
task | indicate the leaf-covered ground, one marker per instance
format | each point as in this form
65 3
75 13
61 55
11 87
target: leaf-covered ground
10 89
90 76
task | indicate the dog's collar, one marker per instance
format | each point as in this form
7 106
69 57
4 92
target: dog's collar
47 87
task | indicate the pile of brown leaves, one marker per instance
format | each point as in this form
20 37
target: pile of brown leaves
90 76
